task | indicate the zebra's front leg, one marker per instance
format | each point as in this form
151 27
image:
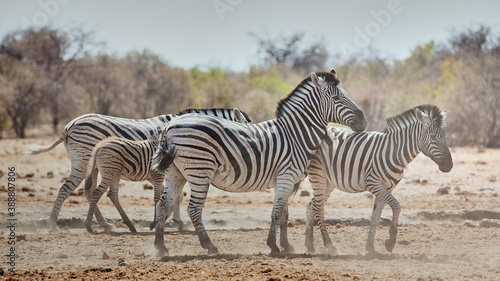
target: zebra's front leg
310 228
378 205
177 212
283 192
195 208
287 248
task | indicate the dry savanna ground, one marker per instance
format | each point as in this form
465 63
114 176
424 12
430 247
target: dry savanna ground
449 228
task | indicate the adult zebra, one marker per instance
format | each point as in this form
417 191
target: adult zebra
374 162
82 134
240 158
116 158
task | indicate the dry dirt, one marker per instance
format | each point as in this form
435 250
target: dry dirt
448 229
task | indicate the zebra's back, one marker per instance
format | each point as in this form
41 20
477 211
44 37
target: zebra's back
131 158
349 159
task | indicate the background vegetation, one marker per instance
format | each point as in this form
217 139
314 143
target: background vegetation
49 76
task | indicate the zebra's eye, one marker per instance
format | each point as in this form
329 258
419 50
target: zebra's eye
336 98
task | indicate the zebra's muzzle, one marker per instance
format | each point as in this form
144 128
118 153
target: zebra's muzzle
359 122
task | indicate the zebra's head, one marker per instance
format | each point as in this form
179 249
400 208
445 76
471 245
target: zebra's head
338 106
432 141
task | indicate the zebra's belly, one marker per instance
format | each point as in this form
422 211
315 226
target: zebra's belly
226 181
135 177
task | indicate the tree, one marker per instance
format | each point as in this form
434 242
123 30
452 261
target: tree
20 94
52 53
292 50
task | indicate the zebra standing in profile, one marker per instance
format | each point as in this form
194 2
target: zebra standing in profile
82 134
374 162
241 158
116 158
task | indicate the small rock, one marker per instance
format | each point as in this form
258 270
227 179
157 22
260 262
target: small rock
443 190
147 186
105 256
50 175
25 189
122 262
304 193
21 237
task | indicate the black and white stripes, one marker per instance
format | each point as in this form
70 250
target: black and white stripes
235 157
82 134
374 162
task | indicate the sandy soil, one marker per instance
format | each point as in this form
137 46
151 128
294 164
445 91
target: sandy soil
449 229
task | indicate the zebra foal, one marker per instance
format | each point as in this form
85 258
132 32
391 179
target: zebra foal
374 162
250 157
82 134
130 160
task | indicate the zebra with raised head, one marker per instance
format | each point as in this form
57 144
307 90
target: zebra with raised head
116 158
82 134
374 162
240 158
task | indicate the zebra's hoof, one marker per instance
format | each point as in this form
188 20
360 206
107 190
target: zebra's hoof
288 249
152 225
389 244
162 251
213 251
332 251
133 230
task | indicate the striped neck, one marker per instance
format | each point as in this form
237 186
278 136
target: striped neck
404 136
300 114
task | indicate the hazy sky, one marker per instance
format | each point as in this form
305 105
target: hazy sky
216 32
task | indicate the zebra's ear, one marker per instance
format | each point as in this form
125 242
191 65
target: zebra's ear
443 113
239 117
318 81
422 117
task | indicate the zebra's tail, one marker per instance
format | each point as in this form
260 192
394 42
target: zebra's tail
92 166
34 149
163 158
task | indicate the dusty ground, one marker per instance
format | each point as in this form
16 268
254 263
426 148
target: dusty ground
444 233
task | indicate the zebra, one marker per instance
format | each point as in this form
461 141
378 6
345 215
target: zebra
374 162
116 158
81 135
250 157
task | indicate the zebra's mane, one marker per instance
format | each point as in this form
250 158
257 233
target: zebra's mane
329 77
198 110
397 122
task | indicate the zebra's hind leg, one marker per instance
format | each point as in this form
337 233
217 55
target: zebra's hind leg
174 181
195 209
113 195
108 178
90 185
287 248
70 184
393 231
157 181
